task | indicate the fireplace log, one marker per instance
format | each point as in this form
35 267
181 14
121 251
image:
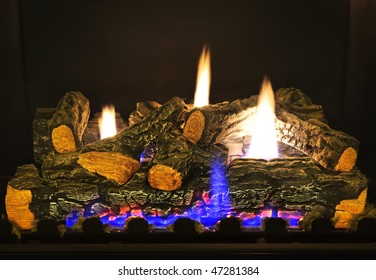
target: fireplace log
137 194
211 124
114 160
68 123
332 149
108 168
300 104
172 163
30 197
142 110
291 184
42 142
302 124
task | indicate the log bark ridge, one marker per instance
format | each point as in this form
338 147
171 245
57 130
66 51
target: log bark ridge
42 142
290 183
69 121
299 123
172 162
211 124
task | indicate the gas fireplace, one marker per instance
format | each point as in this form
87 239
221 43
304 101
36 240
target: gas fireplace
207 112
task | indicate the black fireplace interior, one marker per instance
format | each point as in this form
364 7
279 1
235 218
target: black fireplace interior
122 52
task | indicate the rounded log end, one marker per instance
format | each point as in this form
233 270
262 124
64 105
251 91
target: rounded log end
164 178
111 165
194 127
347 160
17 207
63 139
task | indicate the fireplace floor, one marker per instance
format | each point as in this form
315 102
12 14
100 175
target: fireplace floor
191 251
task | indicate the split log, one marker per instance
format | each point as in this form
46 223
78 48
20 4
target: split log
91 133
348 209
290 184
42 142
211 124
106 168
68 123
115 159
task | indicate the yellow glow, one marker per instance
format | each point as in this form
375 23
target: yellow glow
107 122
264 141
203 79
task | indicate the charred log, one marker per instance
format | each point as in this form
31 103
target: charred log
107 168
300 104
30 197
114 160
42 142
291 184
138 194
172 163
142 110
68 123
332 149
212 123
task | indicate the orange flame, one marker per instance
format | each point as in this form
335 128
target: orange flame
264 141
203 79
107 122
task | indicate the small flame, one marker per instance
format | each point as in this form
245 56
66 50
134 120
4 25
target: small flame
203 79
264 141
107 122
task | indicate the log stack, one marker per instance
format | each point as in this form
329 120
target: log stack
190 168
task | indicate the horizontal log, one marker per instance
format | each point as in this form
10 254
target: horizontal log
137 194
299 124
30 198
106 168
213 123
332 149
291 183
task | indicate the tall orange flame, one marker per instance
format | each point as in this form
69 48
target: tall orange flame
264 141
203 79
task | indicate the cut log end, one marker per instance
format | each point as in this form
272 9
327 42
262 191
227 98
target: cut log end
112 165
348 208
194 126
347 160
164 178
63 139
17 207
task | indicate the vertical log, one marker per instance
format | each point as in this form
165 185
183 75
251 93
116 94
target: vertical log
68 123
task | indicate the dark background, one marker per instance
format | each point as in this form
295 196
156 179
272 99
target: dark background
127 51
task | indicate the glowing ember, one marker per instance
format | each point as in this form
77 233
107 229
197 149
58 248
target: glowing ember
203 79
264 141
107 122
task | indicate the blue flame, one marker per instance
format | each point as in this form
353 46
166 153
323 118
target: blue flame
219 202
